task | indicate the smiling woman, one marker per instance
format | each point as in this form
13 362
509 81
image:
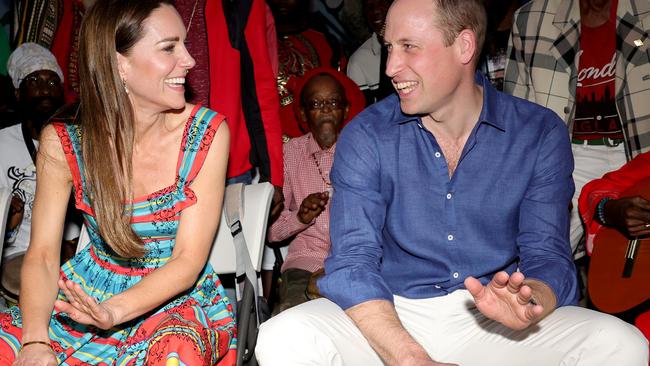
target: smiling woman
147 170
154 69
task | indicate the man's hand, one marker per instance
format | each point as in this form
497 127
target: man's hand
16 211
277 204
83 308
630 215
35 355
507 299
312 206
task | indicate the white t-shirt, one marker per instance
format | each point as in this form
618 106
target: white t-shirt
363 66
17 172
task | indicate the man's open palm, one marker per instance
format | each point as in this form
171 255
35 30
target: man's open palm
506 300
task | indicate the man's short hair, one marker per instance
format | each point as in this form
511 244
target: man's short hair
453 16
28 58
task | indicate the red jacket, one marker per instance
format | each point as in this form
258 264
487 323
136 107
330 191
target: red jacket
611 185
240 81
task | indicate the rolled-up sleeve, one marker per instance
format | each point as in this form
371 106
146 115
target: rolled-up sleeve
545 253
352 270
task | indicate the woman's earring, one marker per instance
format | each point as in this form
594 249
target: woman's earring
124 85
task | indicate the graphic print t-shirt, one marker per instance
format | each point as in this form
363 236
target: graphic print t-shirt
18 173
596 116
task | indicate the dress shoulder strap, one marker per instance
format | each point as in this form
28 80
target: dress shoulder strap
197 139
70 137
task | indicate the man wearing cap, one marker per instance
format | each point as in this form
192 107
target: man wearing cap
327 100
38 83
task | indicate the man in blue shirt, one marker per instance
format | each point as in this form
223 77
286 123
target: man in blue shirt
440 194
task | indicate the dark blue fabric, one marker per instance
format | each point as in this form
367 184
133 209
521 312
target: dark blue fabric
395 231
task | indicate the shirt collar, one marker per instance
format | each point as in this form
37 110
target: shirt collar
314 148
489 110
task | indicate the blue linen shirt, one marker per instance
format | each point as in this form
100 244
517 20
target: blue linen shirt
400 226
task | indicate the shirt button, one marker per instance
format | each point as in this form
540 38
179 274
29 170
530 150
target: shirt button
450 237
437 154
455 275
448 196
436 286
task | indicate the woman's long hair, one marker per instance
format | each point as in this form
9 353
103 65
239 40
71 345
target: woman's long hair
107 117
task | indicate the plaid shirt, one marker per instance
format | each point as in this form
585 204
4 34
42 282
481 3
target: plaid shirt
543 60
302 177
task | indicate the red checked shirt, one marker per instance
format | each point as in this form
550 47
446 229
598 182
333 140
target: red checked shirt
302 177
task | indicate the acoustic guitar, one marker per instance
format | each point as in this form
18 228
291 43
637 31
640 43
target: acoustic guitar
619 270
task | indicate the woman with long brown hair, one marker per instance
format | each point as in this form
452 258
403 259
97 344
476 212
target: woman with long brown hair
147 170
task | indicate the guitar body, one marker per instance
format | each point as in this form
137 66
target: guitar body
610 291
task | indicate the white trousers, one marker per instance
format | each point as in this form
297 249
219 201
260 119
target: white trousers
451 329
591 162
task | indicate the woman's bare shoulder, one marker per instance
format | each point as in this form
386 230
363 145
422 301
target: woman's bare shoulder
50 149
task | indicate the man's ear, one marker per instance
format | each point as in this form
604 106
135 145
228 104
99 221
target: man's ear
303 115
466 44
346 110
17 94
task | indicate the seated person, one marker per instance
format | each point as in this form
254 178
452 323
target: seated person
449 223
308 159
601 204
38 82
148 171
364 66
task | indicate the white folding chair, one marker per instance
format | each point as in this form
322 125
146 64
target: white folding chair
246 210
84 238
257 200
5 202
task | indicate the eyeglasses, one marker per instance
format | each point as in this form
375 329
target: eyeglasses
333 103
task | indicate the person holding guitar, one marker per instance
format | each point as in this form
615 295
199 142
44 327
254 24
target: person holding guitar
616 213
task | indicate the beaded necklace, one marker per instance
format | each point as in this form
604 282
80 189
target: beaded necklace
320 171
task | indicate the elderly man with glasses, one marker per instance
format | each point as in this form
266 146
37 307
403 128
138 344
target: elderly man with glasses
324 107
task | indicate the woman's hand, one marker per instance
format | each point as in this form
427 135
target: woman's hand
35 355
83 308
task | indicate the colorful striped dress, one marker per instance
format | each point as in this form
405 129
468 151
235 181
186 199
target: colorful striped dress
195 328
